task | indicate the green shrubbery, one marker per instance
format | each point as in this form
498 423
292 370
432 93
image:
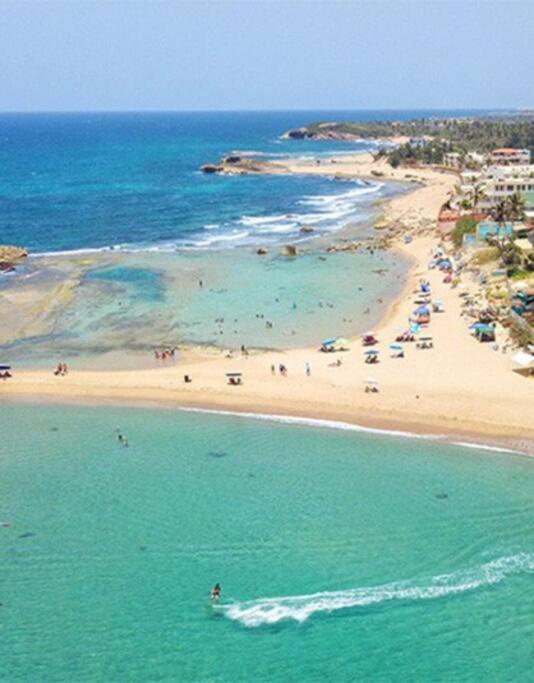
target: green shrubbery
465 226
484 256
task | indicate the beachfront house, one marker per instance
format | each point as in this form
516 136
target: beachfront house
498 183
509 156
462 159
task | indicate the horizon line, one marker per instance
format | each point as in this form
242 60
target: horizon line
259 111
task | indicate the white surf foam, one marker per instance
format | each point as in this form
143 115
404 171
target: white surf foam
299 608
347 426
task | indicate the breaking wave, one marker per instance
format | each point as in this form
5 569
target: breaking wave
299 608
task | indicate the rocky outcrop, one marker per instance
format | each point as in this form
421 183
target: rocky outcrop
210 168
261 251
237 165
322 131
289 250
307 229
10 257
298 134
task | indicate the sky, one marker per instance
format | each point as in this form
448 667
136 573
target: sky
70 55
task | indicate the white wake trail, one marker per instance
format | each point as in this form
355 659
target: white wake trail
299 608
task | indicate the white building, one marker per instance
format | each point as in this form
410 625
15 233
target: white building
498 182
457 160
509 156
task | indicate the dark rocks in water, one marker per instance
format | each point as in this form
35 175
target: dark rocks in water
210 168
289 250
442 496
27 534
54 429
232 159
217 454
261 251
142 548
299 134
307 229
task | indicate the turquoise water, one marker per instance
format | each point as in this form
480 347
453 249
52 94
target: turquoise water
128 305
343 556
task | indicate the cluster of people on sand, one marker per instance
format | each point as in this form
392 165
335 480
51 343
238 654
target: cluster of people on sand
281 369
61 369
165 354
5 375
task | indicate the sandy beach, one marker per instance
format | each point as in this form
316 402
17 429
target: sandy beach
458 388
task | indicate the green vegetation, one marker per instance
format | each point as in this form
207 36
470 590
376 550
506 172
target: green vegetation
431 153
464 226
520 274
462 134
521 334
484 256
510 209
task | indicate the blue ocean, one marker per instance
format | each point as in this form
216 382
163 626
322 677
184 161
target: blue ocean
92 181
121 226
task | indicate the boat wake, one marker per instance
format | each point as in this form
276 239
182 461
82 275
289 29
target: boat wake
299 608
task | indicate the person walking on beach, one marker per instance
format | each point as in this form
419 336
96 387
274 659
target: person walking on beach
308 369
273 370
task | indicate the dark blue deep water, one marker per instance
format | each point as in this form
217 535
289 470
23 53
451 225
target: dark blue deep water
78 181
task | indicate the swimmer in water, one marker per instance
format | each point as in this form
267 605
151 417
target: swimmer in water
216 592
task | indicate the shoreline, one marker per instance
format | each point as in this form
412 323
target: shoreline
453 391
466 439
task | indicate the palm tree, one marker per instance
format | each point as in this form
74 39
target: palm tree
477 195
500 213
516 207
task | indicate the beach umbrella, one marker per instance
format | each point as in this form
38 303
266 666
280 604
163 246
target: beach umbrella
371 352
371 380
395 347
422 310
329 342
5 367
342 341
414 328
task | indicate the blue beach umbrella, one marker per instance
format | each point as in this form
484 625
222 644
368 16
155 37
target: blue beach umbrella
329 342
372 352
422 310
